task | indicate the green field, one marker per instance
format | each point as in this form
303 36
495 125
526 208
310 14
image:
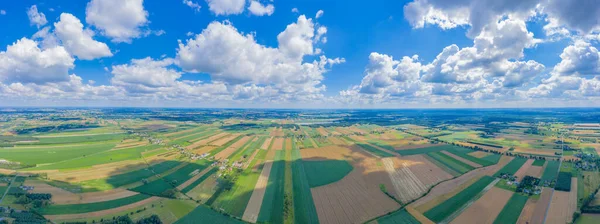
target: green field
494 158
199 180
437 148
129 177
551 170
463 152
442 166
207 216
77 139
398 217
374 150
272 206
539 162
450 162
91 207
234 201
381 144
324 172
512 210
159 186
446 208
110 156
304 207
32 155
512 167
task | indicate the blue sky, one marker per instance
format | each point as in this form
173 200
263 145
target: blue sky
380 54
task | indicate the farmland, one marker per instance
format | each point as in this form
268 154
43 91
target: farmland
264 168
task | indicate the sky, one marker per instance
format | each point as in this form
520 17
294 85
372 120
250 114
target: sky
300 53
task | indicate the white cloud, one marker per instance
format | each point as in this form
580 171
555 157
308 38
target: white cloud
258 9
36 18
25 62
195 6
77 41
226 7
235 58
121 20
580 16
2 12
579 59
145 74
319 14
295 10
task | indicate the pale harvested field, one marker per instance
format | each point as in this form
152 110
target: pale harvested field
266 144
535 171
322 131
205 141
527 212
523 170
563 205
224 140
355 129
336 202
479 154
288 144
406 184
336 141
449 188
418 215
427 172
194 178
113 194
96 172
359 138
130 145
103 212
466 161
204 149
6 171
486 208
59 196
343 130
256 199
233 148
278 144
539 212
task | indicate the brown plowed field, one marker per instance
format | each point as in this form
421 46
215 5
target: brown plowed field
527 212
205 141
535 171
224 140
336 141
486 208
204 149
466 161
563 205
406 184
322 131
357 197
97 171
288 144
427 172
225 153
541 206
59 196
523 170
103 212
256 199
278 144
447 189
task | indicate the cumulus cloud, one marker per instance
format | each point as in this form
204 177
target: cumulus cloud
195 6
35 18
295 10
77 41
579 59
226 7
258 9
236 59
145 72
580 16
121 20
319 14
2 12
25 62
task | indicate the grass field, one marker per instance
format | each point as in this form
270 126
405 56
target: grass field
159 186
129 177
398 217
512 167
450 162
272 206
77 139
110 156
446 208
207 216
304 207
32 155
374 150
512 210
235 200
381 145
551 170
91 207
324 172
437 148
539 162
494 158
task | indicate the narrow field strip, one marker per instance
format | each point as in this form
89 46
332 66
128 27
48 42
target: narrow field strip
304 206
91 207
272 205
512 210
254 204
512 167
453 163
